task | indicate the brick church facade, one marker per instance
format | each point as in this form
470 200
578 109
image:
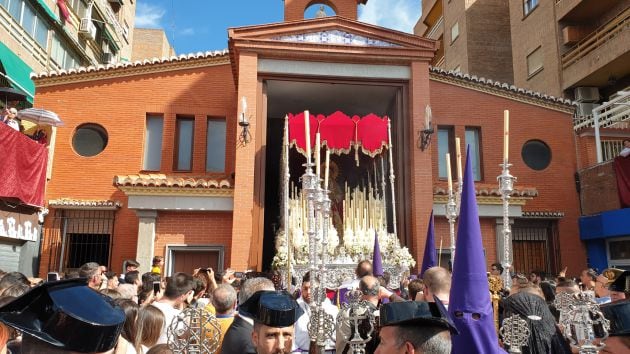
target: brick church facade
151 159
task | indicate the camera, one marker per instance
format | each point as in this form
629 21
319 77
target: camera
156 287
52 276
239 275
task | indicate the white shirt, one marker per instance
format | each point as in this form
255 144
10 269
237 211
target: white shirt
13 124
302 340
625 152
169 314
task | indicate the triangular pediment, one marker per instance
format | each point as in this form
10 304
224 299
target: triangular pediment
333 30
336 37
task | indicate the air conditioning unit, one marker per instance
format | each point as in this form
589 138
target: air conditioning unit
87 28
585 109
108 58
586 94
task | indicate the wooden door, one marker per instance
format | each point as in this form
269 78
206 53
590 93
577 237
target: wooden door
186 261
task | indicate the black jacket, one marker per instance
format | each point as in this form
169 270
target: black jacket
238 338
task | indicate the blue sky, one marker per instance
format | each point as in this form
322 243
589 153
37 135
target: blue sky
201 25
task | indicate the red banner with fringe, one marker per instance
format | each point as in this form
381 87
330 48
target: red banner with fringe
22 167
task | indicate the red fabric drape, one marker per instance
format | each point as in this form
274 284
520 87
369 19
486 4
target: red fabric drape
372 134
337 132
63 10
340 132
622 170
22 167
296 131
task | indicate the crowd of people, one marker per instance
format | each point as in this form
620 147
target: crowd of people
94 310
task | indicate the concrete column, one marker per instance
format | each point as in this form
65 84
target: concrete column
146 238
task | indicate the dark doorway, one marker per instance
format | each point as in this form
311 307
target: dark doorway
284 97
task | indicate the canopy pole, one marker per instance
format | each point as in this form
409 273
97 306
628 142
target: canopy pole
392 177
287 177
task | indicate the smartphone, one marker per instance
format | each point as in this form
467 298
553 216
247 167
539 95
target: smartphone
156 287
239 275
52 276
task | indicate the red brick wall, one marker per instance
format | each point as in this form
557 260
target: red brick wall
488 235
460 107
599 190
120 105
193 228
294 9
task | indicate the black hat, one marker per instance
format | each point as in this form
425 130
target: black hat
417 313
68 315
272 308
621 283
618 313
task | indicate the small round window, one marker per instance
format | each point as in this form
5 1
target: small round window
89 140
536 155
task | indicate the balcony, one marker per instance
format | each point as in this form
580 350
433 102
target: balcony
582 10
598 189
600 56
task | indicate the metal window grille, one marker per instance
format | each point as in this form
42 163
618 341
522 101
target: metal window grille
535 244
80 236
611 148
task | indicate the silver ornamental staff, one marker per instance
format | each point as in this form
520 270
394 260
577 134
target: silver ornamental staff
287 178
451 208
514 332
506 186
392 177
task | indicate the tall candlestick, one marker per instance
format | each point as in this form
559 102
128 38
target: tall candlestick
307 135
506 134
327 172
448 173
459 159
317 155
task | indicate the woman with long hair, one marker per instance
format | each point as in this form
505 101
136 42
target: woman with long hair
149 327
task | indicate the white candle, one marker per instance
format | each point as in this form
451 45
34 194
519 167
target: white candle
327 172
307 135
448 173
459 159
317 155
506 134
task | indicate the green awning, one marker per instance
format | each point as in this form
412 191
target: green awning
48 10
17 72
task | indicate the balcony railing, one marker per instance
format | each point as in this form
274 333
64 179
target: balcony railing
436 27
598 38
611 149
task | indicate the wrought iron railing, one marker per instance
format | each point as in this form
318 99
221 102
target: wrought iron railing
611 149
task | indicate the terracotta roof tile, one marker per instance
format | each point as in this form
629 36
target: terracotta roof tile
84 204
123 65
161 180
543 214
493 191
501 85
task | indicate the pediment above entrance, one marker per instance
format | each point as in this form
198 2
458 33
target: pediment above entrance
330 35
337 37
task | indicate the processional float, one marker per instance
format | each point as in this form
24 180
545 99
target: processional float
328 227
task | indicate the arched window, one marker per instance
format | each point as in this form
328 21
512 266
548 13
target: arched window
318 9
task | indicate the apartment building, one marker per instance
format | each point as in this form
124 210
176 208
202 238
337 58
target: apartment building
44 35
579 49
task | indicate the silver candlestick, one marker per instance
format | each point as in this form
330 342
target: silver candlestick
584 323
451 215
506 186
514 332
321 325
353 314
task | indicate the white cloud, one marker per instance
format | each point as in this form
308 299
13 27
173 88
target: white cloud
400 15
188 31
149 16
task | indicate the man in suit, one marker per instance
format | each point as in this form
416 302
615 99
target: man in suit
237 338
